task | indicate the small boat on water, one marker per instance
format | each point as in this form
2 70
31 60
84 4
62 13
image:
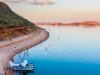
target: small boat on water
23 67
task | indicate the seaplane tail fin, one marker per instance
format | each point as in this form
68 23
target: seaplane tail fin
24 63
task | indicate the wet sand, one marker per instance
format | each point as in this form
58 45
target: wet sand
10 48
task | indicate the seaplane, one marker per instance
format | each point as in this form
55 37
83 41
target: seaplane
23 67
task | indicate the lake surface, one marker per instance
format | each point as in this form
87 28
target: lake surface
68 51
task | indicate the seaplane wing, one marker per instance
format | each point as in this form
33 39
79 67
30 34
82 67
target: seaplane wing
13 64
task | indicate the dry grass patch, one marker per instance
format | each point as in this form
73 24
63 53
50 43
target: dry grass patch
13 32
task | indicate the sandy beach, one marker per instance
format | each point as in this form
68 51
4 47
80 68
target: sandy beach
10 48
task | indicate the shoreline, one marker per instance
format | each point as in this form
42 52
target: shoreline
8 49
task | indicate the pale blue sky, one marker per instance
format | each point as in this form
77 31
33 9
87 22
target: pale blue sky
62 9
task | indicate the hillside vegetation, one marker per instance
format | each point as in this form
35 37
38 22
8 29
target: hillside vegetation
13 25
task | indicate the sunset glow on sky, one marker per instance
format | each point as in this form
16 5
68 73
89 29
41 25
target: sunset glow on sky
62 9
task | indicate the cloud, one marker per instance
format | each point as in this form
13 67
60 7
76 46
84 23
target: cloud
13 1
42 2
33 2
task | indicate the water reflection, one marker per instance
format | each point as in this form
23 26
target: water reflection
68 51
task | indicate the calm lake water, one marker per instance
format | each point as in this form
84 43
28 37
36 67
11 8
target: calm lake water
68 51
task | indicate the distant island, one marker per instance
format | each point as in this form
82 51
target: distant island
84 23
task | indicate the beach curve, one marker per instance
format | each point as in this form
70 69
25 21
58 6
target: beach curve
10 48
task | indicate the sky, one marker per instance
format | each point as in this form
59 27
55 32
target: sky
56 10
